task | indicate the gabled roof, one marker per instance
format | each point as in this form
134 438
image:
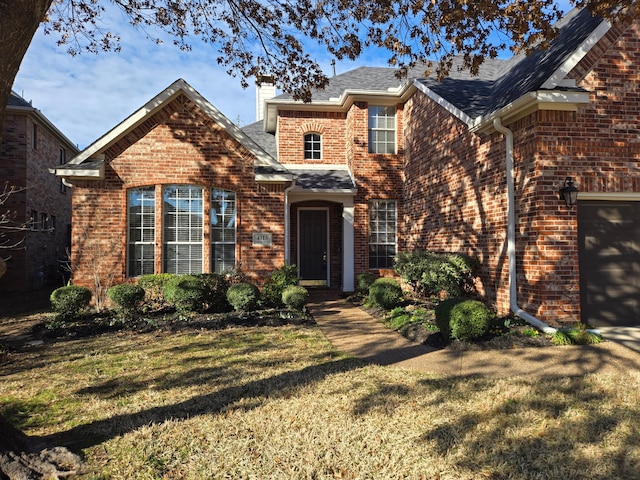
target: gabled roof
539 78
89 164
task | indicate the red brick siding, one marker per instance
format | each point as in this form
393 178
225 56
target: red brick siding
180 145
36 260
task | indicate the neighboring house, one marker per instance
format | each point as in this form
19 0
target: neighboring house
31 145
374 166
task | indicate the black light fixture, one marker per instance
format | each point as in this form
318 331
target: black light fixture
569 193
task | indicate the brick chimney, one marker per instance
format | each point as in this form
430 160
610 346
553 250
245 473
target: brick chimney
265 89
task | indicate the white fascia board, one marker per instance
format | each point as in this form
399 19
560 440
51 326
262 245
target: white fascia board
530 102
559 75
448 106
391 96
95 173
275 177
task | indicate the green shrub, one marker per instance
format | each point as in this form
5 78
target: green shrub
431 273
385 293
295 297
69 302
215 286
127 297
153 286
275 284
187 293
243 296
462 319
364 281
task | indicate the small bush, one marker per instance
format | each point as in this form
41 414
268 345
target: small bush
462 319
187 293
295 297
69 302
275 284
127 298
153 286
431 273
385 293
364 281
215 286
243 296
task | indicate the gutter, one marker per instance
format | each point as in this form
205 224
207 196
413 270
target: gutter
511 234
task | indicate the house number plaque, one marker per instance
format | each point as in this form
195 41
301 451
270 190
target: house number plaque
262 239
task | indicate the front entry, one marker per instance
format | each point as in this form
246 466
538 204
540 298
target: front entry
313 254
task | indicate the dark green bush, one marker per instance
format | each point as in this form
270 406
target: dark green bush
364 281
153 286
187 293
431 273
243 296
69 302
385 293
295 297
127 297
216 286
275 284
462 319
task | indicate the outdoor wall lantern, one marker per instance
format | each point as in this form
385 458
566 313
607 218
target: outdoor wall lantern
569 193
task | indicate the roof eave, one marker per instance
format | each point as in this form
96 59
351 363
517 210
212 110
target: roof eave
95 172
342 103
529 103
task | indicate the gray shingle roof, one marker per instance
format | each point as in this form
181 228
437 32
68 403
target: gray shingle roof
323 180
16 100
267 141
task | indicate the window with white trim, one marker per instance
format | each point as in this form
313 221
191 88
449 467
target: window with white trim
382 129
383 228
182 228
141 213
223 230
312 146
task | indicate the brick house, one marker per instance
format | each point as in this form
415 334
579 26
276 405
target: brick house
375 165
31 145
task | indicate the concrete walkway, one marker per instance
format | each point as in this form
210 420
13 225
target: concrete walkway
351 330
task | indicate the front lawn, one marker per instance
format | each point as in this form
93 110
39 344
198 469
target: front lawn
277 402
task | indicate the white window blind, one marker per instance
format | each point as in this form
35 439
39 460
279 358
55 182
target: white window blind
141 212
382 129
182 229
223 230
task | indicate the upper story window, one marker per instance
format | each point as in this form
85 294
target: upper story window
62 159
34 137
382 129
312 146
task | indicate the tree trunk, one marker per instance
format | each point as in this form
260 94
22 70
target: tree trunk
19 21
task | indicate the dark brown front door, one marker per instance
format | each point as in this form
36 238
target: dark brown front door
313 246
609 249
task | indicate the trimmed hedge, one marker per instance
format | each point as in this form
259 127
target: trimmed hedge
216 286
385 293
69 302
462 319
276 283
364 281
127 297
243 296
187 293
295 297
153 285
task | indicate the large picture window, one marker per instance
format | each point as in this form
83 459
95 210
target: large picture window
182 229
141 209
382 129
312 146
223 230
382 233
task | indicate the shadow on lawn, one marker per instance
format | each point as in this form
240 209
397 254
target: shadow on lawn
88 435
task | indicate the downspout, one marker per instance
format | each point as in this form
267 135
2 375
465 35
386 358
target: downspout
511 234
287 221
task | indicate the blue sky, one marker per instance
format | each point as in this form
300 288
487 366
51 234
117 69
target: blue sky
87 95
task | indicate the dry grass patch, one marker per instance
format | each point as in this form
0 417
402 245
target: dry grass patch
280 403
